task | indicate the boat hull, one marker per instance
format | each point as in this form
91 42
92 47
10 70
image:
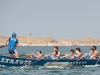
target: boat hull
8 61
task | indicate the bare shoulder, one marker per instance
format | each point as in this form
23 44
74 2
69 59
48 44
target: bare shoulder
40 55
96 51
58 52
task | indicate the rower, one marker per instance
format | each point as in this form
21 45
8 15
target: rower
53 56
12 44
55 49
95 54
37 56
69 56
88 55
78 52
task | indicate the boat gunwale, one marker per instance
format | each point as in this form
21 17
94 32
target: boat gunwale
47 59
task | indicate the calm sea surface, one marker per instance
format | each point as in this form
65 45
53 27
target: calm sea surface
41 70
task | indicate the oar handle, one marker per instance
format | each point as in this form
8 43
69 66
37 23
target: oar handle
2 46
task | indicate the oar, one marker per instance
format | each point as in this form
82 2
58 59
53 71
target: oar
25 55
2 46
41 59
62 59
54 61
98 60
75 62
22 55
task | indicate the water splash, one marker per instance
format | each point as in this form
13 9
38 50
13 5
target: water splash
61 67
89 66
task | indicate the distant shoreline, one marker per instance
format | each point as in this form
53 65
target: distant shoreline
50 41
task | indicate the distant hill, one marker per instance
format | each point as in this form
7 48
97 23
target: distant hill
39 40
31 39
85 40
3 39
50 40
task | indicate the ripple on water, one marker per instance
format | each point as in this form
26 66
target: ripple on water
34 70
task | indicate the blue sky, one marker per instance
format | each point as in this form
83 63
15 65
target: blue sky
56 18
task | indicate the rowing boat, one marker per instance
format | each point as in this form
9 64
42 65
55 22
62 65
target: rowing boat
8 61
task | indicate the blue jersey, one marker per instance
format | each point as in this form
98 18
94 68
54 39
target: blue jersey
51 57
88 55
12 43
34 57
69 56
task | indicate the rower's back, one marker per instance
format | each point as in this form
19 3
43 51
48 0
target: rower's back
12 43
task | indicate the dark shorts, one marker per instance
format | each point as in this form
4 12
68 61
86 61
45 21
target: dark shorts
12 52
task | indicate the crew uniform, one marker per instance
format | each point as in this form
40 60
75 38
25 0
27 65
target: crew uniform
51 57
69 56
88 56
35 57
13 41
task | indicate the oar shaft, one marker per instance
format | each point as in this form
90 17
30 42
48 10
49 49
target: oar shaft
2 46
30 55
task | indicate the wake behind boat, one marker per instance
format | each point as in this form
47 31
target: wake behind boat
9 61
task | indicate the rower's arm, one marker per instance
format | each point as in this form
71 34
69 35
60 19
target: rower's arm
83 56
17 43
65 56
94 55
39 57
79 55
6 42
54 58
58 54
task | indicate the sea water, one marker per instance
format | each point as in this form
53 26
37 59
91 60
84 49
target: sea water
49 70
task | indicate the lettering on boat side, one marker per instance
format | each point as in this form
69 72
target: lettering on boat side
12 61
63 63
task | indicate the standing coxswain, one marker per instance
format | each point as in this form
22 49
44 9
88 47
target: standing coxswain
12 44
